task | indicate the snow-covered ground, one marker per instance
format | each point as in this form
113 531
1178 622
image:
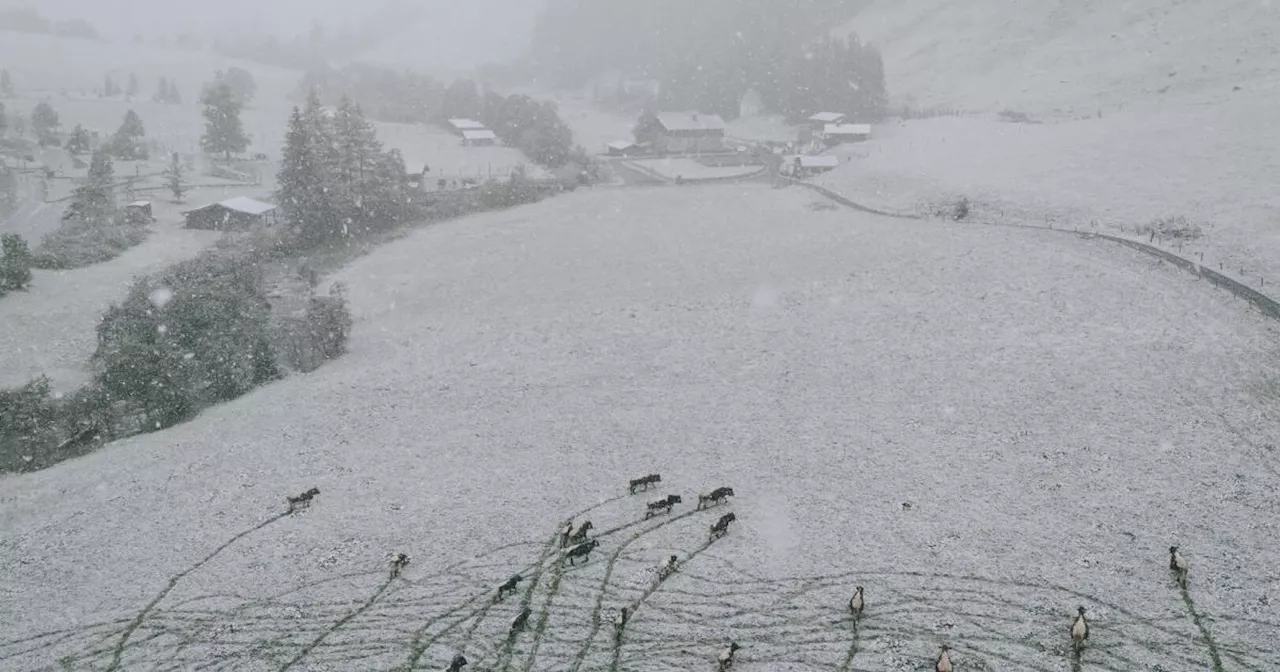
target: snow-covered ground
443 152
985 427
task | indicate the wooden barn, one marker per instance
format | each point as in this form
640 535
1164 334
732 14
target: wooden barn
479 138
690 132
821 120
839 134
234 214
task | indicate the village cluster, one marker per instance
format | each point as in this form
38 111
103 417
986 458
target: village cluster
575 544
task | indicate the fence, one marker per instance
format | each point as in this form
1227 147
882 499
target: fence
1267 305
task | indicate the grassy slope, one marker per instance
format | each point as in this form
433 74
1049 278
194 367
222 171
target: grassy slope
1199 149
1056 410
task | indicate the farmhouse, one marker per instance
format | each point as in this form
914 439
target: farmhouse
233 214
811 165
836 134
684 132
460 126
479 138
820 120
621 148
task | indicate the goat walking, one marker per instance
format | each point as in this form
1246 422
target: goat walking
302 500
663 505
397 563
721 527
716 496
643 483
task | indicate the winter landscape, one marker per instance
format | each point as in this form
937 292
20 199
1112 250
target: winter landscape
392 327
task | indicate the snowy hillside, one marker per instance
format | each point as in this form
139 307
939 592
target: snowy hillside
984 427
1070 54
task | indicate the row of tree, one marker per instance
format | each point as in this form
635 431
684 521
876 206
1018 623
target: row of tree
27 20
335 179
520 121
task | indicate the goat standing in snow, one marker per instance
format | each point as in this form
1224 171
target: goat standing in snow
726 656
668 567
521 620
303 500
582 550
643 482
856 603
1178 565
398 563
721 527
1079 630
509 586
620 622
662 505
943 663
580 534
456 664
566 532
716 496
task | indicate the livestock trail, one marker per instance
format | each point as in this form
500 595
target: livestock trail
429 614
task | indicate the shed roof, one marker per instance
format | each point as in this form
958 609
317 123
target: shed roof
138 204
847 129
621 144
482 134
242 204
466 124
690 121
827 117
820 161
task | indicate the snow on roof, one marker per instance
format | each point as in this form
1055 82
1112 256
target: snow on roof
621 144
847 129
827 117
243 204
462 124
481 134
138 204
690 121
821 161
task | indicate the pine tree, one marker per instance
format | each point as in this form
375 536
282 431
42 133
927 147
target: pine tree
15 263
4 120
127 143
162 92
305 185
109 88
78 143
6 84
44 121
224 132
133 86
174 179
174 98
94 201
357 151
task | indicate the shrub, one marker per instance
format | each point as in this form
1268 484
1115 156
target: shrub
1177 227
15 263
78 243
518 190
38 428
320 334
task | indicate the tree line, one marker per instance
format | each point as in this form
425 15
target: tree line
707 55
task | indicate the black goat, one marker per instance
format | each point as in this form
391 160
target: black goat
582 550
721 527
520 621
580 534
662 506
398 563
509 586
716 496
644 482
668 567
620 623
456 664
303 500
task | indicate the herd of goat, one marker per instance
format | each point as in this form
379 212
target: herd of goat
575 545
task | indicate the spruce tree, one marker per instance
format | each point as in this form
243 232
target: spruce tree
174 98
162 92
357 150
132 89
127 143
4 120
304 184
44 121
224 132
174 179
94 201
78 143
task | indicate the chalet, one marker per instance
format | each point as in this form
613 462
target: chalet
818 121
689 132
233 214
139 211
621 148
479 138
838 134
459 126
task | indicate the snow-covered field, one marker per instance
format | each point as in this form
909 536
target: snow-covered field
425 144
985 427
672 167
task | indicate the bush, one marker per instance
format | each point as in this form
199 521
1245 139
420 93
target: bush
517 190
194 336
321 333
1177 227
15 263
78 243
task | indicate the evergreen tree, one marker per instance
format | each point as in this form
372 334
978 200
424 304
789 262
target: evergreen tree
44 121
4 120
174 98
79 142
127 143
15 263
306 188
461 100
94 201
174 179
357 153
242 84
223 133
647 128
6 84
109 88
162 92
132 89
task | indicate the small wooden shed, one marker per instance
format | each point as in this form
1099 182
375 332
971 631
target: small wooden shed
233 214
